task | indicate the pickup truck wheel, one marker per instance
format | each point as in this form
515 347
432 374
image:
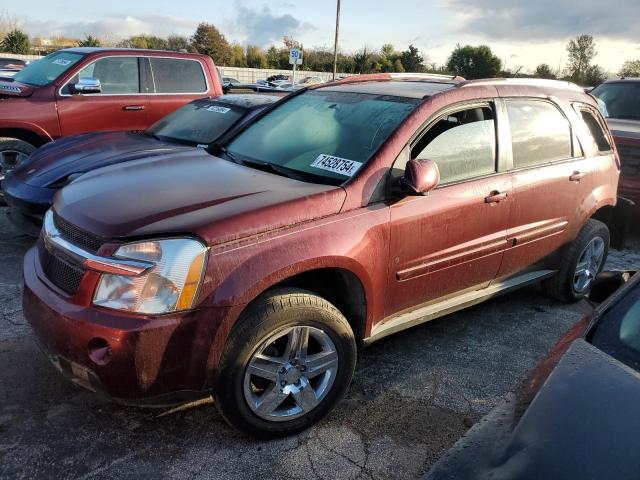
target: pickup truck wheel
12 153
581 263
289 359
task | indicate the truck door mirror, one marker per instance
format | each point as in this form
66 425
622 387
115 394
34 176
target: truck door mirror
87 85
420 177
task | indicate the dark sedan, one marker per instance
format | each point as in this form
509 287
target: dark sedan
30 188
576 416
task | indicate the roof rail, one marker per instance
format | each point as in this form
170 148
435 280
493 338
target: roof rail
533 82
380 77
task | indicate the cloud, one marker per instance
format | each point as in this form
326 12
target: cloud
113 27
261 27
545 20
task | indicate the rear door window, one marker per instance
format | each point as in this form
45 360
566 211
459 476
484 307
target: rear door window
540 133
463 144
174 75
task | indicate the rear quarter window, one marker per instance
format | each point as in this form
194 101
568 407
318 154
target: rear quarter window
175 75
539 133
595 129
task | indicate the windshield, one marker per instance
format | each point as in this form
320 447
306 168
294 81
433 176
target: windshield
622 99
329 135
201 122
47 69
618 331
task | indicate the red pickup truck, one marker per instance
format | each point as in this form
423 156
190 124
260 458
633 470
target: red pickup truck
81 90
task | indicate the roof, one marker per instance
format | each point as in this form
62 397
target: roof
88 50
625 80
525 82
424 85
396 88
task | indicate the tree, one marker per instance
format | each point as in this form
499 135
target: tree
149 42
208 40
582 51
474 62
16 41
412 60
238 58
89 41
178 43
362 61
630 68
397 66
544 71
256 58
273 57
594 76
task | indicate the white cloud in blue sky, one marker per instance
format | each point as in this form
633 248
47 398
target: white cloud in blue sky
522 33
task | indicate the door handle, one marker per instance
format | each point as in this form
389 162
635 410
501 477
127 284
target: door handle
495 197
577 176
133 107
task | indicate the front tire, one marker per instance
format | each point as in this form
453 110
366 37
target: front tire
580 264
12 153
288 361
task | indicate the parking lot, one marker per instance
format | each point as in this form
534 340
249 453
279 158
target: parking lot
413 396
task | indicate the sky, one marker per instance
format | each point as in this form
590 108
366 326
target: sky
522 33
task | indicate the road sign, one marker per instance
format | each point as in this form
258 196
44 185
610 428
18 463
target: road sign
295 56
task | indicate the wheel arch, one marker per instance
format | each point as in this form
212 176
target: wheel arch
338 283
34 136
616 217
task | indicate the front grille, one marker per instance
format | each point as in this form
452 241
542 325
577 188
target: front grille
77 236
62 274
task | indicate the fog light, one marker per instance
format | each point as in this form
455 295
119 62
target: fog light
99 351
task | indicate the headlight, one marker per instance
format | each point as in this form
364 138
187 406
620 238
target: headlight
171 285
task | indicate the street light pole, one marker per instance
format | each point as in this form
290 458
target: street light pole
335 47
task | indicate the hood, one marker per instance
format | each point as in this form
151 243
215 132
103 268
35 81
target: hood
190 191
624 128
14 89
82 153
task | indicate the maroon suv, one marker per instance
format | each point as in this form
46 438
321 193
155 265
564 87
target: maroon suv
342 214
81 90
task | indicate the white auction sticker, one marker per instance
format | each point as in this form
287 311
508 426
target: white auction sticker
338 165
217 109
61 61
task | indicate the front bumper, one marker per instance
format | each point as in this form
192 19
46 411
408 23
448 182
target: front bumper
27 204
133 359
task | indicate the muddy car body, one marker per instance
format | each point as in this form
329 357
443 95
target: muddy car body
367 226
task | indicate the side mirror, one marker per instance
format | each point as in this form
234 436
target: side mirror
420 177
88 85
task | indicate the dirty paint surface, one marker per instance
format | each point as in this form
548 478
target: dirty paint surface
414 395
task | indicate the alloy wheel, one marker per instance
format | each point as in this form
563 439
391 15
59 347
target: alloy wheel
290 373
589 264
10 159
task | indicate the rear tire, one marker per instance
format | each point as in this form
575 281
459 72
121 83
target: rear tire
581 262
288 361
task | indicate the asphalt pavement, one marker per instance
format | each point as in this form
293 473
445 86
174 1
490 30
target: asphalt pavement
413 396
